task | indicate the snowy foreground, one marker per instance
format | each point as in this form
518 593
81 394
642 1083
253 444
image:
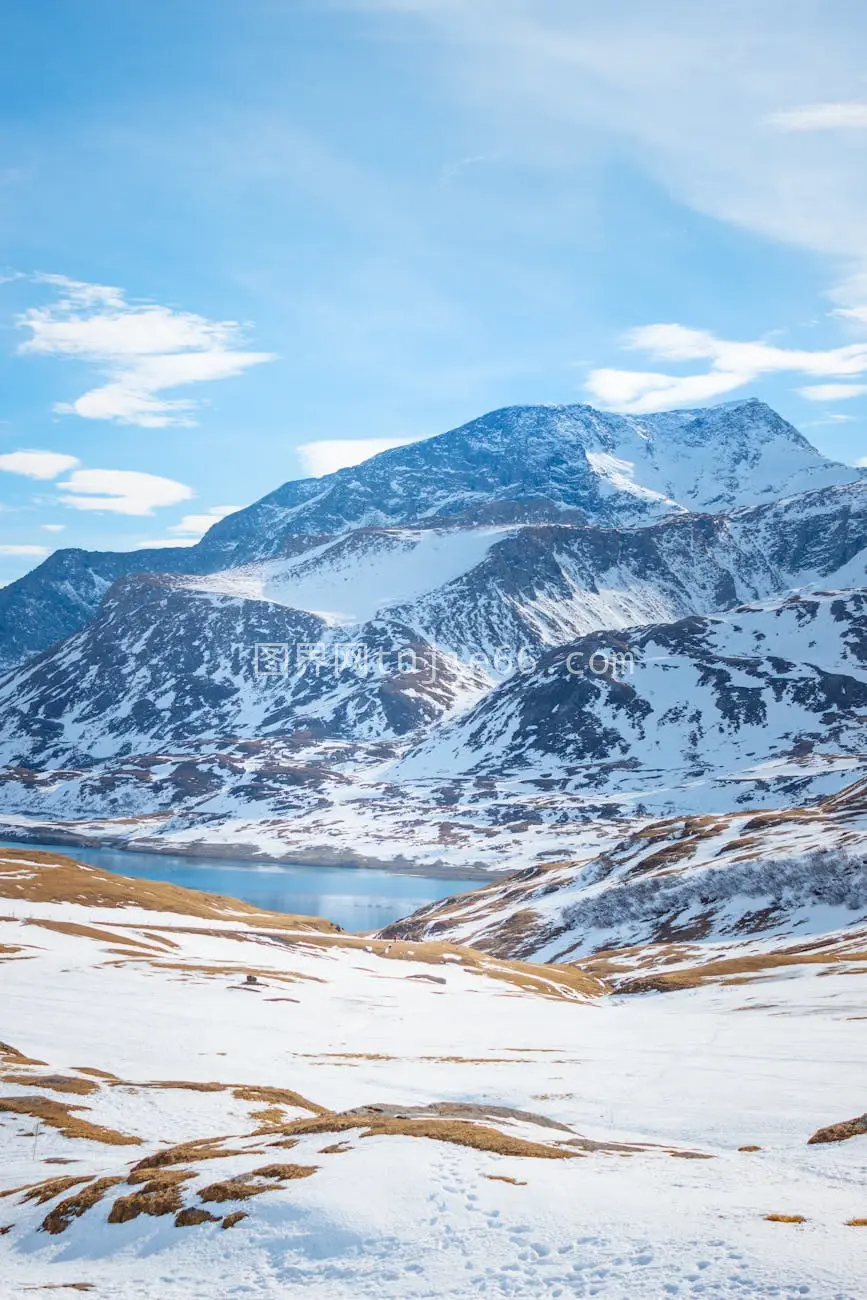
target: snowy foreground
201 1100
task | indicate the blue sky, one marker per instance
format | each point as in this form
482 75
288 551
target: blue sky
238 235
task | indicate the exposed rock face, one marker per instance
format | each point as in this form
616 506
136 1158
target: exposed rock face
549 617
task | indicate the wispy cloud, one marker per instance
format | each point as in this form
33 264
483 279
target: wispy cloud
832 392
122 492
23 550
733 366
196 526
37 464
143 351
330 454
820 117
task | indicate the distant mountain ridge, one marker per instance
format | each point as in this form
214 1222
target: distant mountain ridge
534 464
426 602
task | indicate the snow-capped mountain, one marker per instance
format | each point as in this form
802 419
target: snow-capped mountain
440 614
520 465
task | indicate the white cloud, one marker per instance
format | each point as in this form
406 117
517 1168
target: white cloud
123 492
143 350
330 454
832 392
820 117
195 526
23 550
37 464
686 90
54 528
733 366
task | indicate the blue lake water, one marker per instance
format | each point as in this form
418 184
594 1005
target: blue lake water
355 898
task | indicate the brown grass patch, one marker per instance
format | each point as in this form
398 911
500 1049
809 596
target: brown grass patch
155 1198
54 1082
240 1188
504 1178
194 1214
458 1132
236 1216
51 1188
269 1120
848 1128
785 1218
97 1074
183 1153
59 1219
79 931
856 1223
59 1116
749 1147
12 1055
336 1149
276 1097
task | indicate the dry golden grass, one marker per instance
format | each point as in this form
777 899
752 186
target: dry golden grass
785 1218
194 1214
458 1132
270 1179
158 1192
504 1178
59 1116
52 1187
856 1223
76 930
12 1056
848 1128
184 1153
235 1217
59 1219
749 1147
276 1097
54 1082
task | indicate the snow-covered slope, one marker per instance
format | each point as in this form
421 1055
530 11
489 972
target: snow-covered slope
200 1100
678 892
671 703
520 464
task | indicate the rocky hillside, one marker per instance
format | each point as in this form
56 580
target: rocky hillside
555 463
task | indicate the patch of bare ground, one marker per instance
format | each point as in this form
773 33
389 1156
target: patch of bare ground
59 1219
38 876
749 1147
336 1149
236 1216
11 1055
54 1082
504 1178
97 1074
59 1115
729 970
185 1153
61 1286
856 1223
465 1133
785 1218
270 1178
847 1128
76 930
160 1193
193 1215
51 1188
